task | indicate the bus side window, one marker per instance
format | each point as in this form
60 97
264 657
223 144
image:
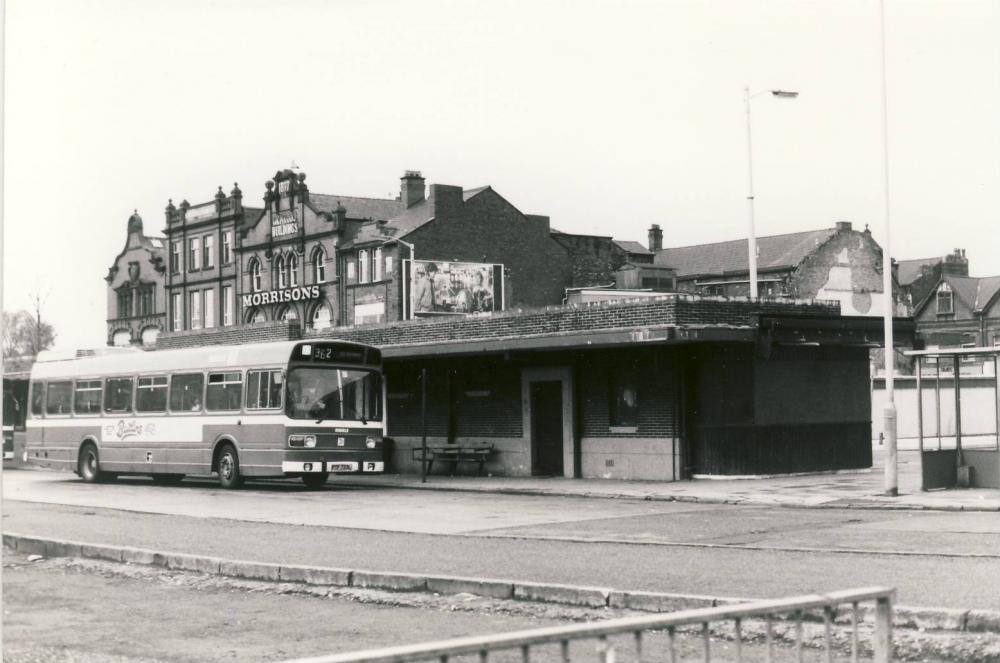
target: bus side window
59 397
151 394
224 392
264 389
87 398
37 398
185 392
118 395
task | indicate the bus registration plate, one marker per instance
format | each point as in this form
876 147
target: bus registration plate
342 467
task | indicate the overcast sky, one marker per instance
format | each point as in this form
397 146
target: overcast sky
606 116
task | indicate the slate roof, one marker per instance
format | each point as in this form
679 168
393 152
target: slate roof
975 292
775 252
909 271
251 215
633 247
401 224
378 209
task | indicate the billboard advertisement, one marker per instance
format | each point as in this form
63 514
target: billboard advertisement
440 287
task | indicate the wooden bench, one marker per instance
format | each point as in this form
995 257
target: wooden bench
456 453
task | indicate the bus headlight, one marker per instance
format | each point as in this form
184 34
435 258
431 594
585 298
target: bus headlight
370 443
307 441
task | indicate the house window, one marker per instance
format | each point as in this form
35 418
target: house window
288 313
194 307
350 270
319 265
175 257
945 300
293 270
227 247
321 317
176 311
146 301
624 399
255 275
194 254
377 265
279 267
228 304
209 308
125 303
388 265
363 267
208 252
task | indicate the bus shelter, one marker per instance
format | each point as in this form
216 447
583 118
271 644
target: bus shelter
950 456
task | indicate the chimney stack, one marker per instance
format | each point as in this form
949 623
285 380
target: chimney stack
411 190
843 225
655 238
956 263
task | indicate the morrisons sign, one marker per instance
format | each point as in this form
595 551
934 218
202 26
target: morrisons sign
281 296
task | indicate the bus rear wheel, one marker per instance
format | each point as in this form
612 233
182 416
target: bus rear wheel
228 467
315 481
88 465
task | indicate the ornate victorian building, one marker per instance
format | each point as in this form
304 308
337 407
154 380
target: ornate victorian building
136 303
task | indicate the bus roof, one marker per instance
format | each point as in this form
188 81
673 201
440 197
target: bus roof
132 361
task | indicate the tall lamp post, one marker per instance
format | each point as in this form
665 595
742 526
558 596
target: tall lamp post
752 239
889 414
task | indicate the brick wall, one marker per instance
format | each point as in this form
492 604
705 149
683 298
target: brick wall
261 332
488 229
864 258
593 259
656 379
679 310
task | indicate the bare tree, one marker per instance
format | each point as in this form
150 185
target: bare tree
25 333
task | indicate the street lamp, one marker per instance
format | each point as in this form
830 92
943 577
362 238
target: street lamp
889 413
752 239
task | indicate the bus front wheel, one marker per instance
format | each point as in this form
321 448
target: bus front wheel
89 464
315 481
228 467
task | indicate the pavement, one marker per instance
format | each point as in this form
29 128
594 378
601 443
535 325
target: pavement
861 489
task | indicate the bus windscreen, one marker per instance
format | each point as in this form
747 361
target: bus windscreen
322 393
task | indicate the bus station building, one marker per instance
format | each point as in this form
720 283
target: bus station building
663 388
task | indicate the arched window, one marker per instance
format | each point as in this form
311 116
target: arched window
149 335
293 270
319 265
255 315
287 313
122 338
254 271
321 318
279 268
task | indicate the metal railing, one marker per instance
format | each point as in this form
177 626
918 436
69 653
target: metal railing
798 610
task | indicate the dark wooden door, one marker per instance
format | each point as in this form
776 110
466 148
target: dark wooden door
546 428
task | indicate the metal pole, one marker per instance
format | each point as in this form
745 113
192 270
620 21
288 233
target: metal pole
920 403
996 400
958 411
889 416
937 399
752 239
423 425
